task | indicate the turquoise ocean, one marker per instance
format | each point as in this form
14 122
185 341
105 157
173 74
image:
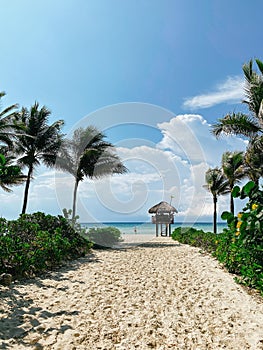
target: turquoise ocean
149 228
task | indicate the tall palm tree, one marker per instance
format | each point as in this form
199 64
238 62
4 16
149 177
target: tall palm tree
217 184
10 175
234 170
40 142
7 124
251 125
87 154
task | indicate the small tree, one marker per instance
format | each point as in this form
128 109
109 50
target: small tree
217 184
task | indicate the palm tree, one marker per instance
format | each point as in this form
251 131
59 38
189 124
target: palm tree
217 184
87 154
250 126
253 159
10 175
39 143
7 124
234 171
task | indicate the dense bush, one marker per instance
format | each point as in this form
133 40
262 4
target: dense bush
197 238
37 242
104 236
100 237
240 247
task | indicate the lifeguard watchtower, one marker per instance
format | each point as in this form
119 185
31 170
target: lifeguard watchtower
163 218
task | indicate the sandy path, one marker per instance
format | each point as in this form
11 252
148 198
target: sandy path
166 296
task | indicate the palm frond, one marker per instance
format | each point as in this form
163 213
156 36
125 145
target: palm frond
260 65
216 182
233 167
10 175
253 88
236 124
248 70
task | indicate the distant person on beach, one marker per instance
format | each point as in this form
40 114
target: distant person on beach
135 229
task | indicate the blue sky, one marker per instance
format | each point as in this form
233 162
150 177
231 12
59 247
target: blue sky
137 70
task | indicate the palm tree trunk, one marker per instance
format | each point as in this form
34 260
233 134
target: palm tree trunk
75 198
215 214
232 208
30 170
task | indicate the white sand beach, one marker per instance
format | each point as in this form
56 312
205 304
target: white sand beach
162 295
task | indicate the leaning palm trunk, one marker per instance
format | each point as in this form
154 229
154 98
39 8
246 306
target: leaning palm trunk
29 174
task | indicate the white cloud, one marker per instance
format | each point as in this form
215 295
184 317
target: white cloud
230 91
189 136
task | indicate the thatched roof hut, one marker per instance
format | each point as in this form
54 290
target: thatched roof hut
163 218
162 207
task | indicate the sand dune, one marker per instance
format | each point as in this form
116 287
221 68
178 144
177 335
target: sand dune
159 296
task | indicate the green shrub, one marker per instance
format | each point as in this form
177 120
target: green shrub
240 247
101 237
196 238
36 242
74 222
104 236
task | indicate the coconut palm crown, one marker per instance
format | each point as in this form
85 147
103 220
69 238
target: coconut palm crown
248 125
39 144
87 154
234 170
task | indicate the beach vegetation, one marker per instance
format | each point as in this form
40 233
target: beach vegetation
248 125
10 175
216 183
234 170
99 236
253 161
240 246
38 143
35 243
7 124
88 155
74 221
207 241
104 236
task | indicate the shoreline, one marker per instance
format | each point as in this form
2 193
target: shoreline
158 295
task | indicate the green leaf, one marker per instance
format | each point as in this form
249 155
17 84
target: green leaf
236 192
2 159
248 187
226 215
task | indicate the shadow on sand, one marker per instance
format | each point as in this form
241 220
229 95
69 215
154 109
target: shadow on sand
19 315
